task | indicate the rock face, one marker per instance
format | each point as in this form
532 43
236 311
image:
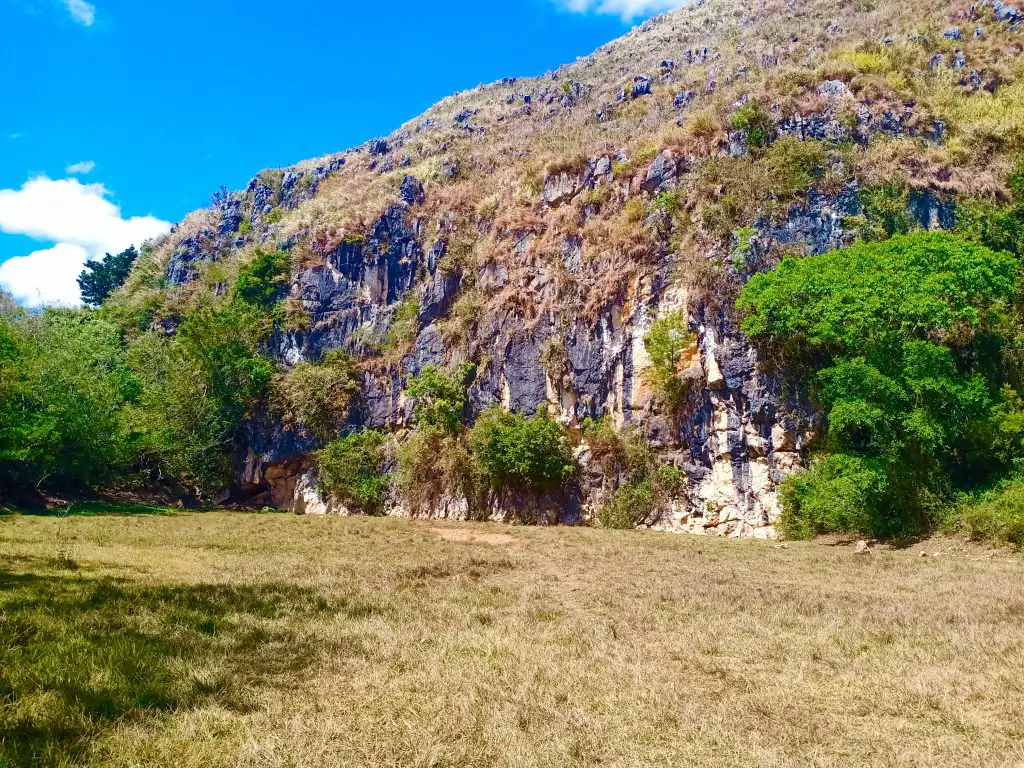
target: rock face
537 270
734 441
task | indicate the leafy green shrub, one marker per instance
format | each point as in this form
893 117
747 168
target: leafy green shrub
351 471
997 227
628 506
794 166
886 212
513 451
196 389
669 202
839 493
435 464
441 399
757 122
63 384
1016 181
665 343
319 395
998 516
630 465
896 341
261 282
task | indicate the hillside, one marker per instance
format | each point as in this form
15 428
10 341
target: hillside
575 244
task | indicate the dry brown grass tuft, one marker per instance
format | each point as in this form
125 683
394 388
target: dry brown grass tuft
398 643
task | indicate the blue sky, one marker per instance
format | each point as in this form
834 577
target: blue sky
120 116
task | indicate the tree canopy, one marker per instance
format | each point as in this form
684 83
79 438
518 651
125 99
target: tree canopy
901 343
99 279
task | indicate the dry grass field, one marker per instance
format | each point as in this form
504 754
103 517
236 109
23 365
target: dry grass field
227 639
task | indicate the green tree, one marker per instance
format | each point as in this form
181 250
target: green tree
262 281
665 343
197 388
63 384
99 279
441 399
899 342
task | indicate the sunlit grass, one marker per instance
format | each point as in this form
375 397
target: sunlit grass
226 639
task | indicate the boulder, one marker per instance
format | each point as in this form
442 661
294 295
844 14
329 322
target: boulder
683 99
411 190
662 171
641 86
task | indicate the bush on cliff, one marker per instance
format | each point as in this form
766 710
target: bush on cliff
352 473
435 464
441 399
435 468
640 485
318 395
262 281
901 342
516 452
665 343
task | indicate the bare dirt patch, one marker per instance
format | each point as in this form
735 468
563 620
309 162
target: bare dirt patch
472 537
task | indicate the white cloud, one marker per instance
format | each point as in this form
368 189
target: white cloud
83 223
85 167
46 278
81 11
627 9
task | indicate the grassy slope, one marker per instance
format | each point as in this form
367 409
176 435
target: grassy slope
501 171
223 639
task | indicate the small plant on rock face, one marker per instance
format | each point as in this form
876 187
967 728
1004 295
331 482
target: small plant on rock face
742 239
756 122
886 212
645 152
441 399
668 203
554 358
404 324
665 343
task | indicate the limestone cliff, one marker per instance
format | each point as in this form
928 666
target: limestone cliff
539 227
